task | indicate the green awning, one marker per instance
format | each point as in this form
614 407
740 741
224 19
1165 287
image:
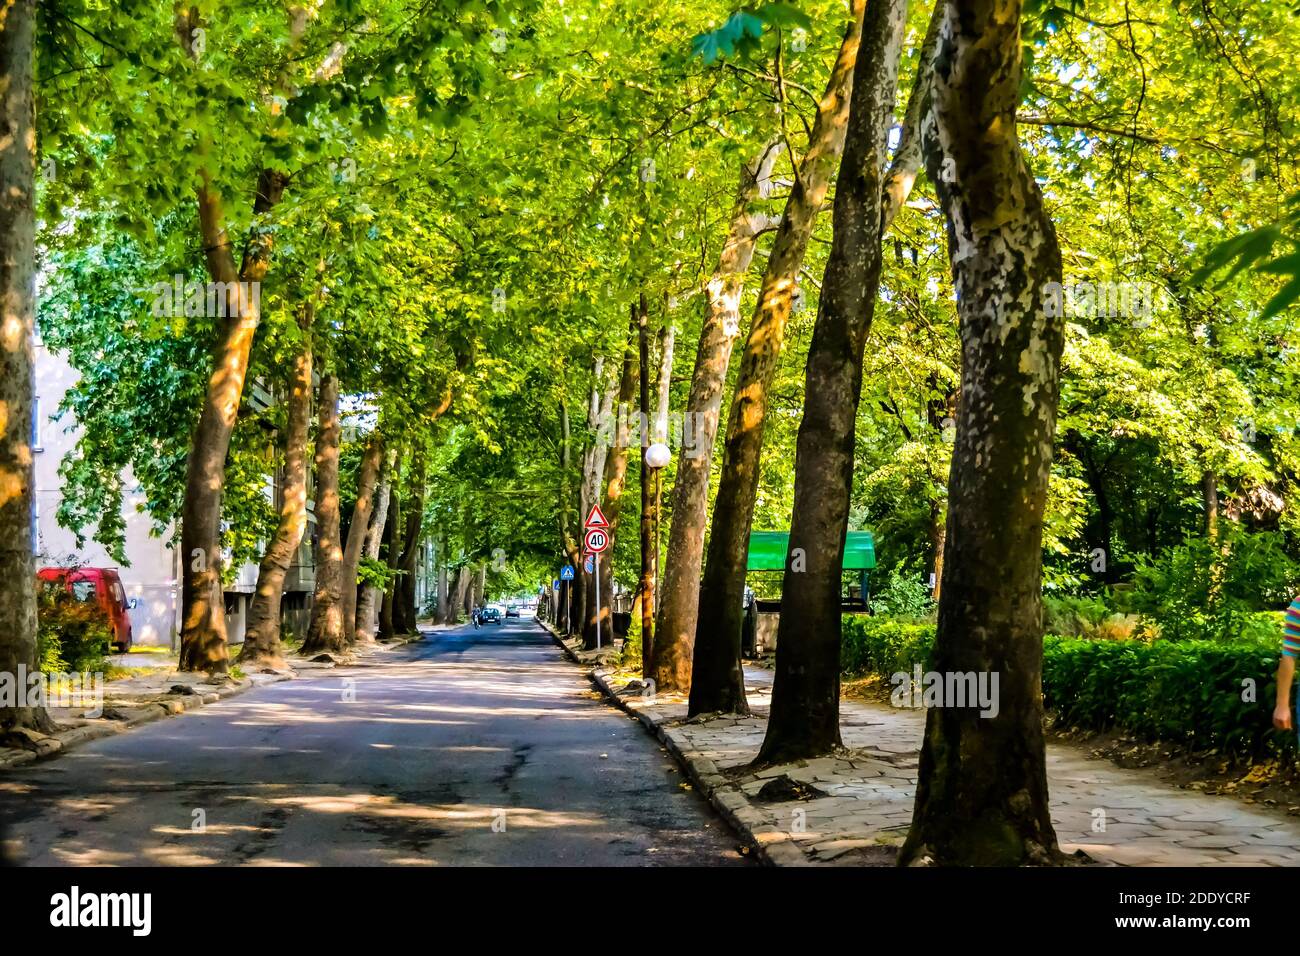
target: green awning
767 551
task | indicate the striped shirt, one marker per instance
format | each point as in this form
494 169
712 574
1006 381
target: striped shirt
1291 630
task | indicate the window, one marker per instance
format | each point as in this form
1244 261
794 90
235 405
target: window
83 590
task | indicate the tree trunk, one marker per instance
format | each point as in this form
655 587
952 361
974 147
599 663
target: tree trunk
599 414
805 715
262 639
568 537
717 680
938 535
203 627
387 627
669 660
404 610
326 632
982 783
461 593
17 278
440 555
359 529
368 601
615 484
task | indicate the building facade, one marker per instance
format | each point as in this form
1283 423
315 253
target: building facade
152 576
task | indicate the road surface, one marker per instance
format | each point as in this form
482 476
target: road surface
469 748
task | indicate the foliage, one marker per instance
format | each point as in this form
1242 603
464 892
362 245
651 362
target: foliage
376 574
1087 615
71 635
1213 589
904 595
1203 694
883 646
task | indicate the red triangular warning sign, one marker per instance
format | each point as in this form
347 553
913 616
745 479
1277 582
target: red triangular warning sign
597 518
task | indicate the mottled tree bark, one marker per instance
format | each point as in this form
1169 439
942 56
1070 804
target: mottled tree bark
568 534
600 416
359 528
717 680
326 632
404 610
805 715
369 597
262 637
982 784
17 300
670 659
460 593
387 627
444 596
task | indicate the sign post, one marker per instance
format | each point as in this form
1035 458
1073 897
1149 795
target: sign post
566 575
596 541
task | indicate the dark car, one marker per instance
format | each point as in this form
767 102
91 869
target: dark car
512 610
490 615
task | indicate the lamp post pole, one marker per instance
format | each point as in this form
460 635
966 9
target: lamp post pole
656 457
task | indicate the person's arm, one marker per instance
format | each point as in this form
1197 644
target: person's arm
1286 667
1285 674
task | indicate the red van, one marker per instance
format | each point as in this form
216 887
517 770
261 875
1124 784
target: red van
104 588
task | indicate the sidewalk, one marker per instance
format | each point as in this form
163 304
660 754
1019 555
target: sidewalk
855 809
161 692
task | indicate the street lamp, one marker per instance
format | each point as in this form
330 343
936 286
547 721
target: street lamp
657 457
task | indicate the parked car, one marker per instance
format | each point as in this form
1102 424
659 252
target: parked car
512 610
103 588
490 615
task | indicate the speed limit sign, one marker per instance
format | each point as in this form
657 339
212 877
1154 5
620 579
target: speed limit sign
597 540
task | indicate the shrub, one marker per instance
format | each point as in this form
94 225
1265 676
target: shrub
903 595
71 635
1187 692
881 645
1209 589
1088 616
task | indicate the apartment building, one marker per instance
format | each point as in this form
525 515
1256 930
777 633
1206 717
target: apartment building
152 574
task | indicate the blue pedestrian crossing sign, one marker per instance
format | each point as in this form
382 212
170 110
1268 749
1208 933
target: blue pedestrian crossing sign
566 573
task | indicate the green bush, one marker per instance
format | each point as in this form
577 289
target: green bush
881 645
71 635
1209 589
903 594
1187 692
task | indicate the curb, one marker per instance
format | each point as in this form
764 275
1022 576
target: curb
769 845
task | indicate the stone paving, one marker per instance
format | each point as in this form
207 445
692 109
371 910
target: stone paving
1117 816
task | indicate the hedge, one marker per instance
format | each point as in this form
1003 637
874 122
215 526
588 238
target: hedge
1185 692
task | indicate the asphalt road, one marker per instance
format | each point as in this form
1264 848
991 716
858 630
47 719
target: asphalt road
470 748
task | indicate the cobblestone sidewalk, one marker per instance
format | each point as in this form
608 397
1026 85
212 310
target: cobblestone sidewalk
861 807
